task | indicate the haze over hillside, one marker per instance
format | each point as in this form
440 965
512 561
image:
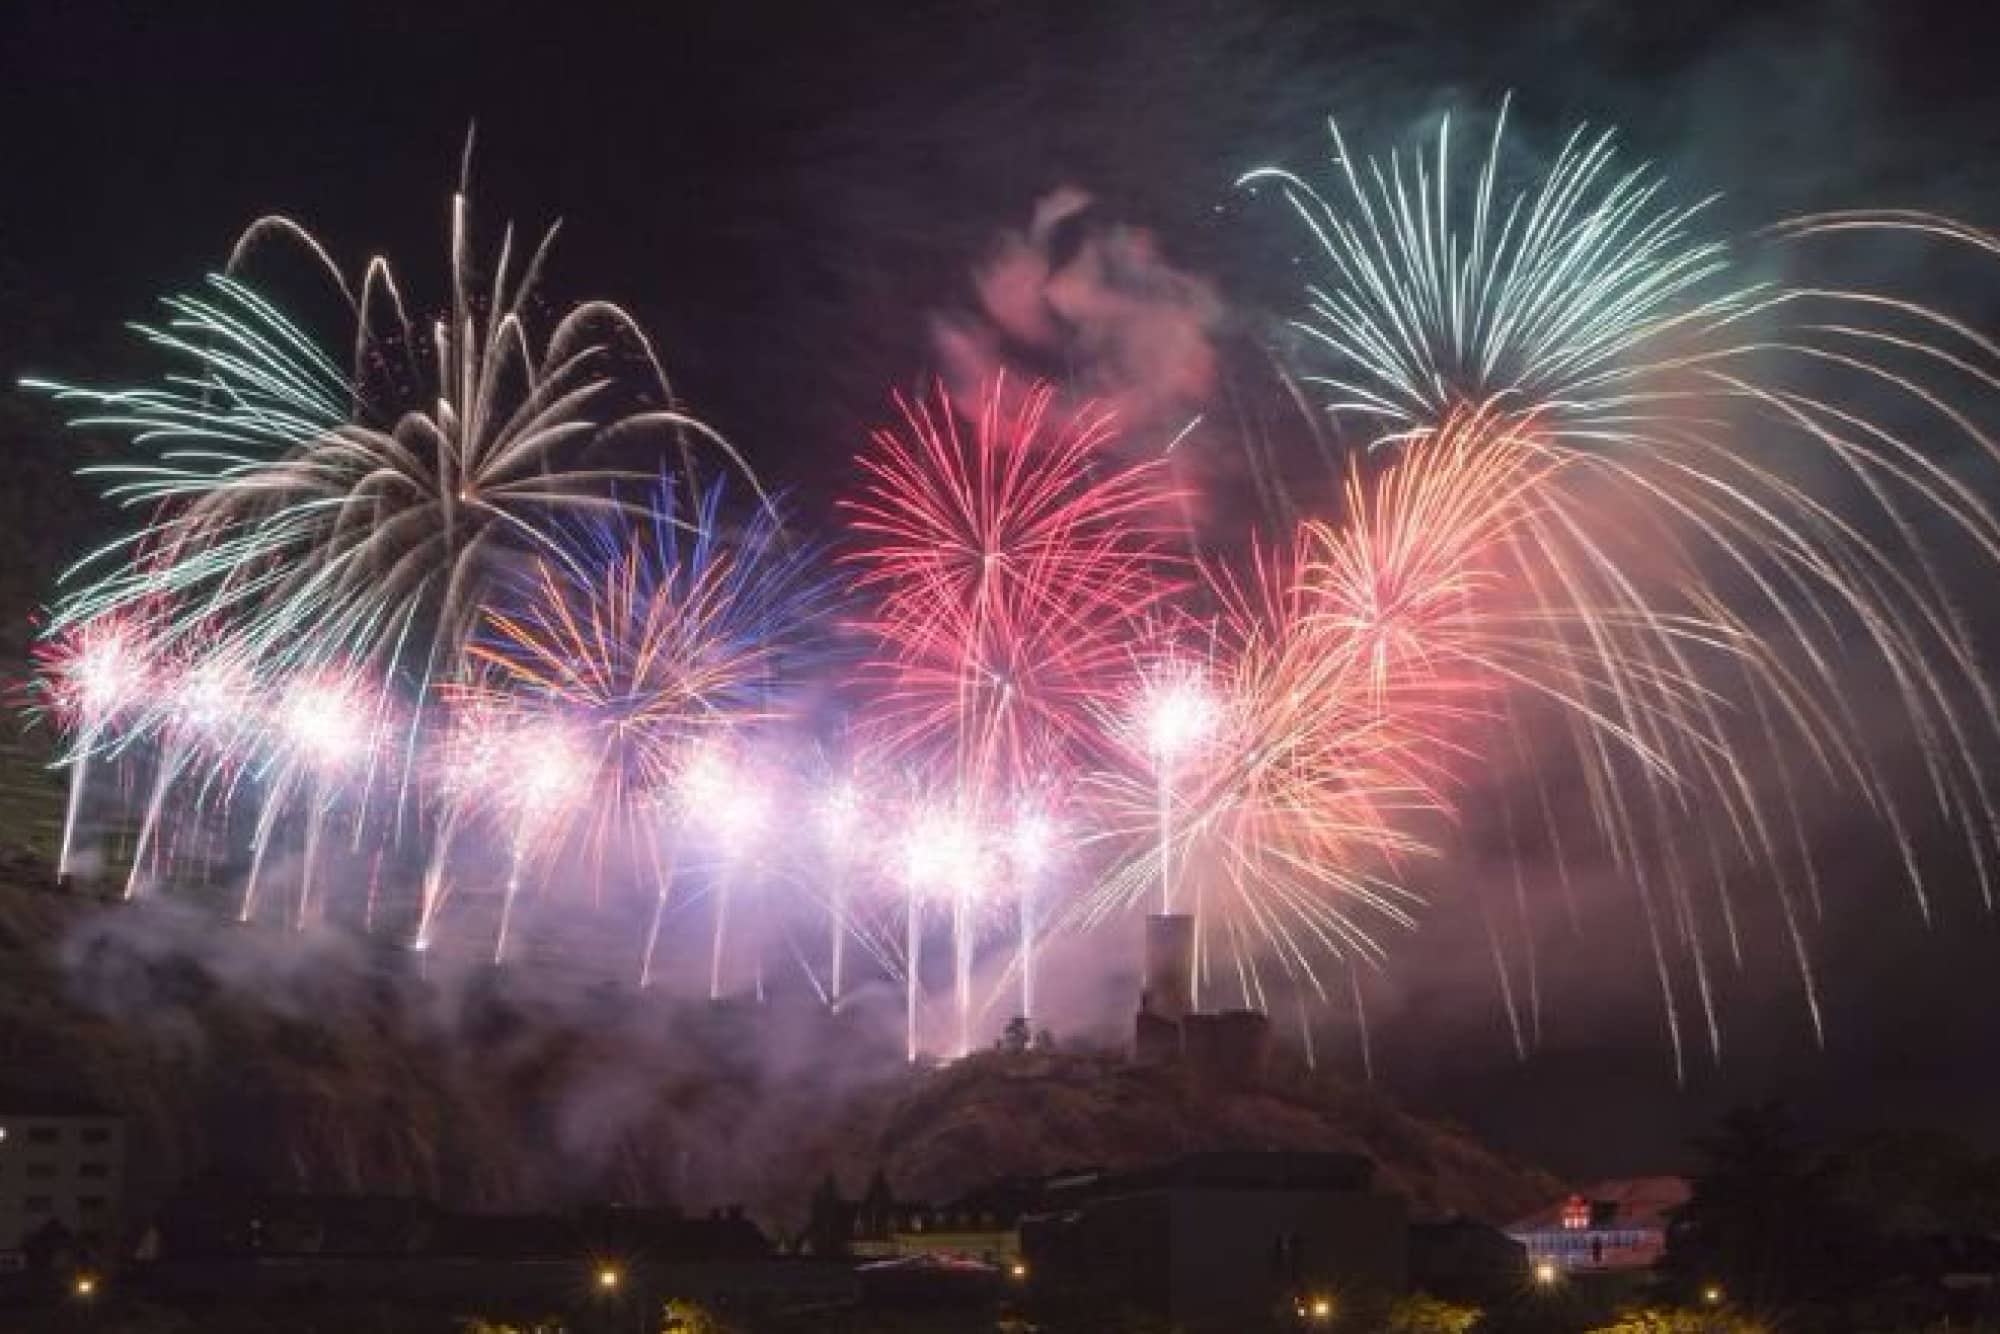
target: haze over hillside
328 1063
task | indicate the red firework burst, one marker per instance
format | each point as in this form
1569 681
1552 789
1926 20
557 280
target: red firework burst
1005 559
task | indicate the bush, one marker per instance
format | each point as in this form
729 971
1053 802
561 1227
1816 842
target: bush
1421 1313
1679 1320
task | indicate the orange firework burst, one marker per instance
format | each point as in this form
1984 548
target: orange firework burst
1287 819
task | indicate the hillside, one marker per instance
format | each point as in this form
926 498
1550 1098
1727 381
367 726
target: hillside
328 1063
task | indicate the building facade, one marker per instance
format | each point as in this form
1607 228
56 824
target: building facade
1611 1226
1220 1241
62 1166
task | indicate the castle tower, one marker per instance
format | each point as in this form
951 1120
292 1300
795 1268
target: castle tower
1169 965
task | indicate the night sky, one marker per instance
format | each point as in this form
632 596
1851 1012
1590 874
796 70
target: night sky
790 195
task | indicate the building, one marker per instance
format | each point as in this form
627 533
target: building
62 1168
1461 1260
980 1226
1230 1048
1219 1241
1612 1226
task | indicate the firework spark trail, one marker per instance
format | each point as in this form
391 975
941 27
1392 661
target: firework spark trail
1290 815
1583 312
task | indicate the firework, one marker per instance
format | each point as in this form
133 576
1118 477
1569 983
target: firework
728 803
1175 718
1005 559
319 515
1288 797
839 813
320 737
1655 533
91 674
548 775
1031 846
943 858
211 707
650 633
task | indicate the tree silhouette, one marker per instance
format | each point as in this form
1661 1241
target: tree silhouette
1765 1223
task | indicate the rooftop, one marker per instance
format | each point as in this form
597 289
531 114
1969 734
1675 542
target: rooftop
1629 1202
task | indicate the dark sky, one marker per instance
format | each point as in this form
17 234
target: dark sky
787 193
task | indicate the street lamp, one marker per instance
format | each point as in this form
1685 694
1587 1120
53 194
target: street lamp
1546 1273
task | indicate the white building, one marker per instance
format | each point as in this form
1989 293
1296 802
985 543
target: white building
60 1164
1609 1226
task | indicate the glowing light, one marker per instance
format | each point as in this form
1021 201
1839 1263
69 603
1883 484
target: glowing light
723 796
608 1278
548 771
840 811
1179 716
95 670
1032 843
943 854
1545 1272
325 723
213 698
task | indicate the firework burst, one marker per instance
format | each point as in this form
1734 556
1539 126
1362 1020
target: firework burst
1005 559
1660 554
319 516
1267 791
647 634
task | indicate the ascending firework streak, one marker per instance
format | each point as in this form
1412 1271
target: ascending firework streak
1006 558
1176 716
321 519
211 703
1029 851
942 858
548 775
91 674
322 733
839 815
1663 546
726 803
